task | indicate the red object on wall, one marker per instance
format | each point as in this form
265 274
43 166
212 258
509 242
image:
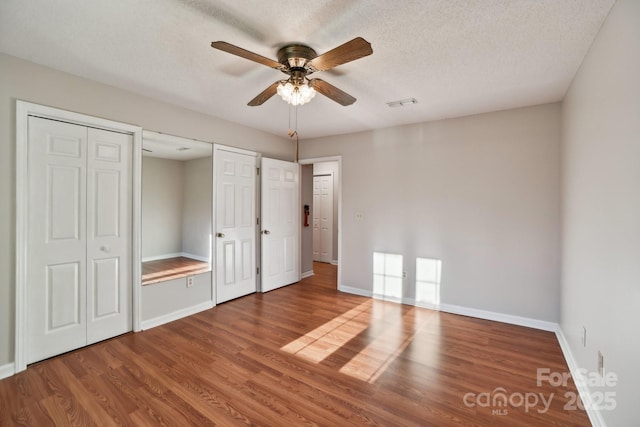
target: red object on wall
306 215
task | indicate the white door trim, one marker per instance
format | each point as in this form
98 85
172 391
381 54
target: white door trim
23 111
235 150
339 160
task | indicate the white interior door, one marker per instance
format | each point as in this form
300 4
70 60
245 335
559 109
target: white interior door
280 236
323 218
79 237
109 285
235 175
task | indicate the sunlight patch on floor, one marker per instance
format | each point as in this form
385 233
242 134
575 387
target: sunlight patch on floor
376 357
391 328
317 345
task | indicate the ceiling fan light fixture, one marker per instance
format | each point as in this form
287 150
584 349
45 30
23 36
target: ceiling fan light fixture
298 61
295 94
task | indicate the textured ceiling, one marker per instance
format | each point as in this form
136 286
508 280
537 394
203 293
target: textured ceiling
456 57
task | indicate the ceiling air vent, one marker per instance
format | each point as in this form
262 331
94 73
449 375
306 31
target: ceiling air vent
402 102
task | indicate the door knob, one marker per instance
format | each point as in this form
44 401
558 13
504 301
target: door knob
221 235
266 232
106 249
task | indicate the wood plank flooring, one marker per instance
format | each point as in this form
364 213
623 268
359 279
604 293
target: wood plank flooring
171 268
305 354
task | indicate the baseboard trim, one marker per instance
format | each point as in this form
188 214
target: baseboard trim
498 317
159 257
179 314
595 416
175 255
7 370
306 274
196 257
463 311
355 291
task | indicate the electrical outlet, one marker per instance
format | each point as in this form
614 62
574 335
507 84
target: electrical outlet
584 336
359 216
404 274
189 281
600 364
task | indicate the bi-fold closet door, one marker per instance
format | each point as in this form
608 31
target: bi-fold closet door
79 238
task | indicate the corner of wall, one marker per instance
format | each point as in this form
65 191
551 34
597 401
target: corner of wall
580 381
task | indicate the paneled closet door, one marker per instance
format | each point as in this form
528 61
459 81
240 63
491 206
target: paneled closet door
56 291
79 239
108 234
323 218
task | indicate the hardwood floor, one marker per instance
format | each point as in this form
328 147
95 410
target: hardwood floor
171 268
305 354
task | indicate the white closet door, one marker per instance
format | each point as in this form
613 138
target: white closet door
280 223
323 218
56 238
109 286
235 175
79 239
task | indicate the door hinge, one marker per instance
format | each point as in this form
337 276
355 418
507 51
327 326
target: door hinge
257 221
258 171
257 270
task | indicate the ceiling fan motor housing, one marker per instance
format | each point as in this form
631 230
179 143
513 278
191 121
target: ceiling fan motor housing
296 56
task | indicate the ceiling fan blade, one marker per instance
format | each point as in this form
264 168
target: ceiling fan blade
264 95
332 92
243 53
350 51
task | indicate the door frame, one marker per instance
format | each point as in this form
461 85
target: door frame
23 111
214 273
340 251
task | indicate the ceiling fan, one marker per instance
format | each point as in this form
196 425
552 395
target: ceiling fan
298 61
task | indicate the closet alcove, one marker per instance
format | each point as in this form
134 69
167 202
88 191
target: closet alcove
176 223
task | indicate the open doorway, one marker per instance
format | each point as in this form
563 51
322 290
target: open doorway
320 198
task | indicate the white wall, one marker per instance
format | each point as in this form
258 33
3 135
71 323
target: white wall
324 168
171 299
480 193
306 237
24 80
162 207
196 219
176 207
601 209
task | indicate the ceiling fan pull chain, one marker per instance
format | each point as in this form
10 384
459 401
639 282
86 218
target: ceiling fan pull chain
292 131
